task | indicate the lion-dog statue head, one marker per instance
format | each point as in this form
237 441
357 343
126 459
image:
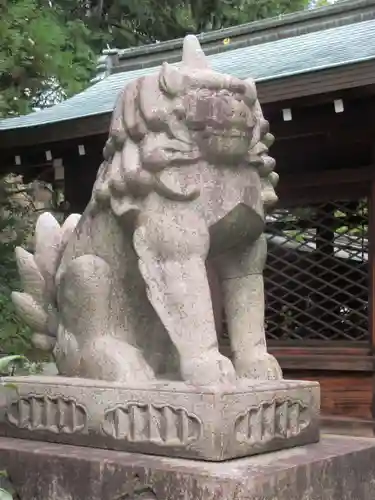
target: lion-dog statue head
179 116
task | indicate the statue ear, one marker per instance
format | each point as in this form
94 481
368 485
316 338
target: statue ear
171 81
132 117
258 120
251 94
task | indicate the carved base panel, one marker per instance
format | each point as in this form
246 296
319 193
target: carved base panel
172 418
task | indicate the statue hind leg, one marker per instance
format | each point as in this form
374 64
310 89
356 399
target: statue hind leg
241 274
172 246
89 343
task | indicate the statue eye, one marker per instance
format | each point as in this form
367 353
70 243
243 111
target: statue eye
203 94
225 92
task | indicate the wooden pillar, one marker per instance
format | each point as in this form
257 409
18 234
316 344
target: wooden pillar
80 174
58 182
371 297
325 246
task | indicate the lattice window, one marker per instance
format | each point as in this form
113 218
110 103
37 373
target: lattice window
316 278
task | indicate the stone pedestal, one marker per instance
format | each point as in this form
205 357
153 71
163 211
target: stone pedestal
165 418
337 468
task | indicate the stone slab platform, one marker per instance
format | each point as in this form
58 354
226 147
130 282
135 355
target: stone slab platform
337 468
172 419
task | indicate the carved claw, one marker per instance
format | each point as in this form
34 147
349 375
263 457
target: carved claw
43 342
262 367
210 368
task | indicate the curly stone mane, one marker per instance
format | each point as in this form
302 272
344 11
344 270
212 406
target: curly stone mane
158 127
122 293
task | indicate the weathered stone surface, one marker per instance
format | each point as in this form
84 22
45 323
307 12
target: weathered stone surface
120 296
165 418
337 468
122 293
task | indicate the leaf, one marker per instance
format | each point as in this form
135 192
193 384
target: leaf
13 387
8 361
5 495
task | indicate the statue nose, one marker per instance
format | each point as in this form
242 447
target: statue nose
230 111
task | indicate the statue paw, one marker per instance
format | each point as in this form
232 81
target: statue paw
262 367
210 368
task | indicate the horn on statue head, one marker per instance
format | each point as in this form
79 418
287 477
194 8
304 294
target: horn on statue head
192 53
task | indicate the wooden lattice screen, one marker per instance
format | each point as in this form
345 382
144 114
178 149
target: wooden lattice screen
316 278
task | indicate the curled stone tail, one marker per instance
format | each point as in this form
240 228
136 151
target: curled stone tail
36 305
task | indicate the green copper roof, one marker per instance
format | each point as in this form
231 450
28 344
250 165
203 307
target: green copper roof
315 51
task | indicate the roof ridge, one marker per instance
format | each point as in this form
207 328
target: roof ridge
275 22
345 45
254 33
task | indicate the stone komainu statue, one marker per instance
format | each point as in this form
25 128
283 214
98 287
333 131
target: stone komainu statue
121 293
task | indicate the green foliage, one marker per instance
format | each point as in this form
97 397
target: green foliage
44 57
322 3
5 495
18 217
124 23
6 489
14 224
8 363
15 337
48 49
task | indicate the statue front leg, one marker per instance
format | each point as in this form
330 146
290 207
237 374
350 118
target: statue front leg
172 246
241 273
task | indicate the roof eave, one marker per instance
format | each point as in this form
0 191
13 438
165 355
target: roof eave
254 33
271 91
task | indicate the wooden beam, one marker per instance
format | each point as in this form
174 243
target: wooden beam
344 425
351 94
326 362
304 85
298 190
34 157
356 122
349 76
319 359
316 139
56 132
371 293
331 178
